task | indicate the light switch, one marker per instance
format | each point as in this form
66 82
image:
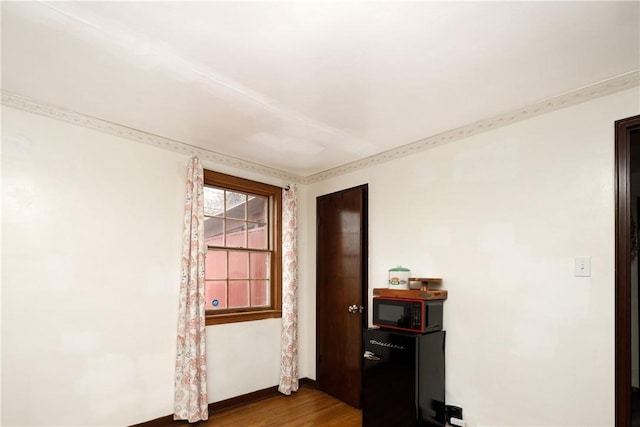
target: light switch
583 266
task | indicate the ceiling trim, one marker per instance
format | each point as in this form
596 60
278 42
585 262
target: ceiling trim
605 87
10 99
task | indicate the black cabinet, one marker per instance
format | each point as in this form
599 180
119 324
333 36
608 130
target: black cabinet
403 379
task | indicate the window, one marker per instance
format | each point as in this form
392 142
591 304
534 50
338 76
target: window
242 223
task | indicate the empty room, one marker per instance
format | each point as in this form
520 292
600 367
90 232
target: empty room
212 206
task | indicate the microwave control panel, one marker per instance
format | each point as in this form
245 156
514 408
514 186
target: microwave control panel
416 315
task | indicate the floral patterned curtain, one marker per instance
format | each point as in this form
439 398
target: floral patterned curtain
289 354
190 398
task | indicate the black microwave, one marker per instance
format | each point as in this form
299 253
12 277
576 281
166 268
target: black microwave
414 315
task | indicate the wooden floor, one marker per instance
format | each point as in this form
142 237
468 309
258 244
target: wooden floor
307 407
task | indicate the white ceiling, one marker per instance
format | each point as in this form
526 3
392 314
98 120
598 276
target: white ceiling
304 87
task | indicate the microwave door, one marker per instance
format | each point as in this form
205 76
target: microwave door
388 312
393 314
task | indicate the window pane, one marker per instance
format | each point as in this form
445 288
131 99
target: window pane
216 264
236 234
213 232
259 265
259 293
238 265
257 236
215 295
257 208
241 245
238 293
236 205
213 201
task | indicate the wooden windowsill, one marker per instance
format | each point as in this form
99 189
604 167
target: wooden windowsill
219 319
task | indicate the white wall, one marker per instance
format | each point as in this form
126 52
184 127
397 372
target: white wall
500 217
91 228
91 243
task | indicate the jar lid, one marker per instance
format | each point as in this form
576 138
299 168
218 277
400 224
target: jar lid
399 268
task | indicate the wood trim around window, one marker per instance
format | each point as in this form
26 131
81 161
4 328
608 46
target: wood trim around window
274 193
241 316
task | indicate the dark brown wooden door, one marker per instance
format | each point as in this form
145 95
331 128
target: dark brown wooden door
625 135
341 283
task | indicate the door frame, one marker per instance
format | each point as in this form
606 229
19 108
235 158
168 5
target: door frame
623 129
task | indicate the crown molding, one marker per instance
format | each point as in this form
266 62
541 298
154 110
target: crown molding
603 88
16 101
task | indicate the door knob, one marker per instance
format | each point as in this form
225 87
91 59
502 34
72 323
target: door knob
355 308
